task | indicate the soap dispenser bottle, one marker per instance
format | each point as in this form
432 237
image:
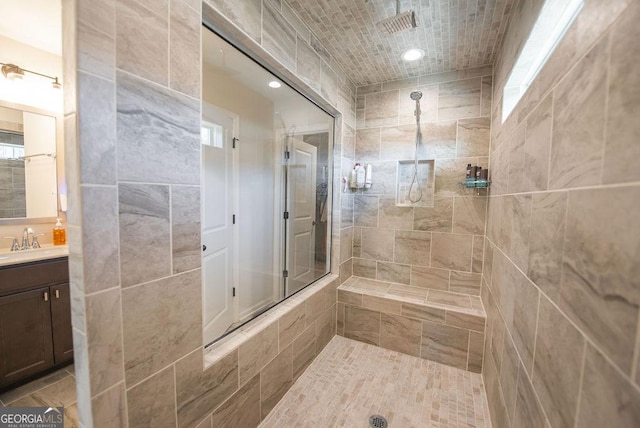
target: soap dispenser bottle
59 234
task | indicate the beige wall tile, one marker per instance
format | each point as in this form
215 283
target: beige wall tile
458 100
423 312
346 244
464 282
576 149
429 277
559 346
308 64
413 248
156 334
451 251
400 334
185 228
477 254
469 215
509 376
473 137
599 274
438 218
381 109
377 244
275 380
537 146
398 142
242 409
444 344
368 144
364 268
152 402
362 324
198 391
528 409
476 352
366 211
278 36
109 408
184 48
392 216
382 304
256 352
394 272
304 350
438 140
291 325
246 15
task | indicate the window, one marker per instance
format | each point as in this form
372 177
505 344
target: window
555 18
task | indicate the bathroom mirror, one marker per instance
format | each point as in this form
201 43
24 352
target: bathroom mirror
266 190
29 141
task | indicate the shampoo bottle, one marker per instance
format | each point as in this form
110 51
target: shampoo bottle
360 176
353 177
59 234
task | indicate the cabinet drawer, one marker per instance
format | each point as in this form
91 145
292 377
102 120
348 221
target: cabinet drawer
32 275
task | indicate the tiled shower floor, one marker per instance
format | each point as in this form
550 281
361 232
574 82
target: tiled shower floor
350 380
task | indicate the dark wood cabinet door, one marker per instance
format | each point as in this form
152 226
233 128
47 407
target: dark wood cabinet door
61 321
26 347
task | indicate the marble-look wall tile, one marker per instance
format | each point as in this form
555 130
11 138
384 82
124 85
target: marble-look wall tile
346 270
407 106
398 142
411 247
392 216
381 109
449 251
326 326
623 130
469 215
438 140
142 39
278 36
438 218
473 137
368 144
346 213
153 402
548 211
607 398
528 409
156 124
329 84
444 344
308 64
96 128
525 319
559 346
346 244
246 14
100 238
256 352
459 100
509 376
144 232
109 408
290 325
477 257
242 409
576 149
198 391
599 282
485 101
437 279
400 334
366 210
304 350
377 244
156 334
476 352
537 146
364 268
100 14
393 272
520 231
362 324
185 232
464 282
104 339
314 306
184 48
276 379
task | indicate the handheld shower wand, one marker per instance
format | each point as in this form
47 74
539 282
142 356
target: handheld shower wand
416 96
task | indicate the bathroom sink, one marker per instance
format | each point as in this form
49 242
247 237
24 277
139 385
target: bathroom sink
8 257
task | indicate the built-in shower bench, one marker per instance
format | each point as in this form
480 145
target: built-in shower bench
432 324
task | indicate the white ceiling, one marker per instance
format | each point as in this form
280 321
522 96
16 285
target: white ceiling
33 22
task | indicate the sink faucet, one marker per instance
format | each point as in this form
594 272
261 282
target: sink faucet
25 238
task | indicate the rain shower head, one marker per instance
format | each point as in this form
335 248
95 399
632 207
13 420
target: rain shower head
400 22
416 95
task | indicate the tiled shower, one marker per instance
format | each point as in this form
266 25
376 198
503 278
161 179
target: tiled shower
527 291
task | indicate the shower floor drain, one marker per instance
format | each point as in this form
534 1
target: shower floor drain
377 421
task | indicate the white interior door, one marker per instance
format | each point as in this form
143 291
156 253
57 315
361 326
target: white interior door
217 222
303 161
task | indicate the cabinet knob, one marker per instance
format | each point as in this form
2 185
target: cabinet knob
46 296
57 294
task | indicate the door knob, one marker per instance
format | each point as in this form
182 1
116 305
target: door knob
204 247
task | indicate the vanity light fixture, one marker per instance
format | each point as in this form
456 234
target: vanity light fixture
275 84
412 54
14 72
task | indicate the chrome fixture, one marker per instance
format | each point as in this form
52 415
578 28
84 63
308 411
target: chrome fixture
400 22
416 96
15 246
14 72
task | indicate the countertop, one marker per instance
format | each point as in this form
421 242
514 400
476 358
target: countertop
48 251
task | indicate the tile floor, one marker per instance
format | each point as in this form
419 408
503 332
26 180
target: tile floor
350 380
54 389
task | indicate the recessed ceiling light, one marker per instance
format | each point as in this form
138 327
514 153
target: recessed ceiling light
275 84
412 54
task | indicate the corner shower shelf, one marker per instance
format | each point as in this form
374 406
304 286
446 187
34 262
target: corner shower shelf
476 184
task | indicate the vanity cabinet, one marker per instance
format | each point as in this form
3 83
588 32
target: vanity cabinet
35 319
